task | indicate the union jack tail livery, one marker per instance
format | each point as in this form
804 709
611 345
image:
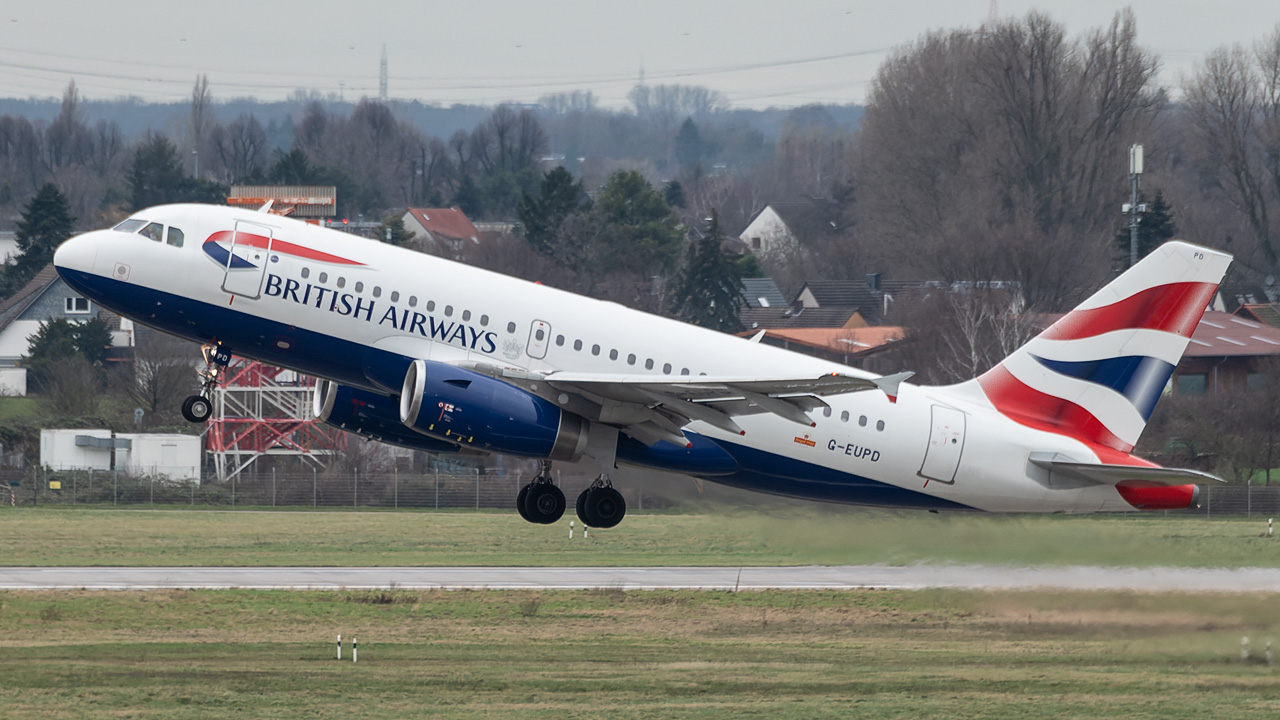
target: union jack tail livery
1097 373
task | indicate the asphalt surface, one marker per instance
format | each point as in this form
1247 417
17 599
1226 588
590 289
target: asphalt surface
646 578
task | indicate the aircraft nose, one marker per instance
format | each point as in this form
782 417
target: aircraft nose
76 253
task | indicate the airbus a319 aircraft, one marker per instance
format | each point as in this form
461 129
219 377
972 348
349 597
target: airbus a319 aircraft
435 355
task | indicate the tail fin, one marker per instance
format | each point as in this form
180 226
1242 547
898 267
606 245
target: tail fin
1097 373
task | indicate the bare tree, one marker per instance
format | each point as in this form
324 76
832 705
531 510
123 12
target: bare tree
991 154
1233 103
201 113
240 147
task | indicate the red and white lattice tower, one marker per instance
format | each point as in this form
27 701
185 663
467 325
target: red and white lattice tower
262 410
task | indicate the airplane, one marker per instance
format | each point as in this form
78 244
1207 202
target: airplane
435 355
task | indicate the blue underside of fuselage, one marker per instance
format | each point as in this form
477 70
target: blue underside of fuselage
361 366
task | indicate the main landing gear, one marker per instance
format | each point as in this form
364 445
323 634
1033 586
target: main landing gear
198 408
541 502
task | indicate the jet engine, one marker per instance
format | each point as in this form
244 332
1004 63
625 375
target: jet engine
474 410
371 415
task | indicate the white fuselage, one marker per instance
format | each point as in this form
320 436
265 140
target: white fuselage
329 303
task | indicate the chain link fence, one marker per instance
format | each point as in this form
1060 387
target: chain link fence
356 490
415 490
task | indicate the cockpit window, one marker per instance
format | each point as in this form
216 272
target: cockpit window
130 225
155 231
175 237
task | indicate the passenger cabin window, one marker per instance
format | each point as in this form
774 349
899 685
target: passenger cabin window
666 368
631 359
306 273
577 344
595 349
132 225
484 320
155 231
77 305
613 354
395 296
431 306
359 287
511 327
377 291
342 282
175 237
559 341
648 364
324 278
466 315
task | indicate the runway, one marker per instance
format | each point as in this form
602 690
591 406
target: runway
914 577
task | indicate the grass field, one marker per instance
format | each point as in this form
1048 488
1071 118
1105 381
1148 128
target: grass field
77 536
608 653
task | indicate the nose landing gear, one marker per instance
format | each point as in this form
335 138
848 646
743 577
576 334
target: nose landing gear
198 408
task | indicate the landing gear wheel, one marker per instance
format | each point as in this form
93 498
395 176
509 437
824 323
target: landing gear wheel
544 503
601 507
197 408
524 493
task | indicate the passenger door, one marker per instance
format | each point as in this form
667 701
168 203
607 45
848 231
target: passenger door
247 260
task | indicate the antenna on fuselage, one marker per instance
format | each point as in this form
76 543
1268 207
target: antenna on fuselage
267 207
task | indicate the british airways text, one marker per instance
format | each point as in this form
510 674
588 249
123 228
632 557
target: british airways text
406 320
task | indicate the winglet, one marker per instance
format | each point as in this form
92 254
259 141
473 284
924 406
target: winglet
889 384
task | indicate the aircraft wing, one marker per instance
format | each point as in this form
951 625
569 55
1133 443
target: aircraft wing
654 408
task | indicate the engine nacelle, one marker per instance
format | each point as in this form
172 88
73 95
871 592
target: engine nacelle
370 415
475 410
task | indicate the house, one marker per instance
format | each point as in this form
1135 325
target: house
847 346
762 293
46 297
779 227
447 228
761 318
1226 353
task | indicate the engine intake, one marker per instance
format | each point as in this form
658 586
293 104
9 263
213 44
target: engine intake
476 410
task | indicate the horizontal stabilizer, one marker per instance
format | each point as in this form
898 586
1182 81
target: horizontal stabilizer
1103 474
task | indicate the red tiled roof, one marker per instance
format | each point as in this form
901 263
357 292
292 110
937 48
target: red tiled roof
1221 334
445 223
848 341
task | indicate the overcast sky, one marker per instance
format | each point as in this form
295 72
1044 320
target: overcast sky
490 51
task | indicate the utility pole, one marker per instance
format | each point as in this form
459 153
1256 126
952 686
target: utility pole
1133 207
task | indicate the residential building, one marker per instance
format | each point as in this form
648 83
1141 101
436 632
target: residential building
46 297
1226 353
449 229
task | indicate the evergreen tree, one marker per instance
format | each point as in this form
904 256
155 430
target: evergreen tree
393 232
691 149
673 193
59 341
45 223
154 173
1155 227
641 232
559 196
708 290
156 178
